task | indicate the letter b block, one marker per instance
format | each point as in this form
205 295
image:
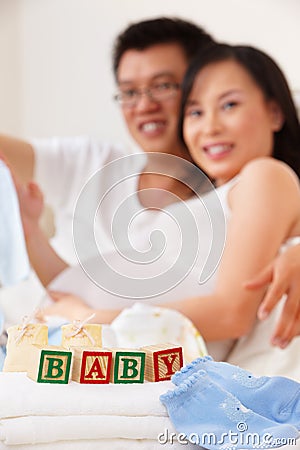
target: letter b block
50 365
129 366
162 361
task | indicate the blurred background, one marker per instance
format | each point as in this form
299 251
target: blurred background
56 77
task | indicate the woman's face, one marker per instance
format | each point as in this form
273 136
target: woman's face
228 121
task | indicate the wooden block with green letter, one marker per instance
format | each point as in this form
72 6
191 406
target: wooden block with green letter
129 366
50 364
162 361
91 365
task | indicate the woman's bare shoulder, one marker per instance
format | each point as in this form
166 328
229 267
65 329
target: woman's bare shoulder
266 168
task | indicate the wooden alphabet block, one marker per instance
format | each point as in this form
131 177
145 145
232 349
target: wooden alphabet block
162 361
91 365
78 335
21 339
50 365
129 366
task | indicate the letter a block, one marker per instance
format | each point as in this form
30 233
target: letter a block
91 365
162 361
50 365
129 366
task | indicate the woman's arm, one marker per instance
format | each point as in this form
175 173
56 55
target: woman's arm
72 308
265 211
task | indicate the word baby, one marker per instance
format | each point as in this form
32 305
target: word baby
82 358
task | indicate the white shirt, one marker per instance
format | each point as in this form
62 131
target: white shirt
62 168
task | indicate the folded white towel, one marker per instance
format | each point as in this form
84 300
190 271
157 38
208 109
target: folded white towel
43 429
103 444
20 396
14 264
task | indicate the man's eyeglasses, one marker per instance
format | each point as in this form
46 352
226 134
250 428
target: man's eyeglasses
157 92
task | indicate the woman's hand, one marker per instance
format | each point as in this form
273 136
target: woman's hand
66 305
72 308
283 277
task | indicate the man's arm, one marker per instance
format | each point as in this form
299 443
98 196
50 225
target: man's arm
44 260
282 276
20 156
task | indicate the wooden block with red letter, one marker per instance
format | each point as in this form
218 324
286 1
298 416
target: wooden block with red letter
129 366
91 365
50 364
162 361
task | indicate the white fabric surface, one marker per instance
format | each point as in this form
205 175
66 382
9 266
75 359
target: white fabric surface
20 396
14 264
30 432
43 429
112 416
163 325
102 444
114 444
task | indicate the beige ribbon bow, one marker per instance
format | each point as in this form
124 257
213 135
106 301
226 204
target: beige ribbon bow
79 328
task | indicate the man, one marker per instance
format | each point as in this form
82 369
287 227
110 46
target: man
150 59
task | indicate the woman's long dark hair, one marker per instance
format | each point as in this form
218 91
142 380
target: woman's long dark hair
273 84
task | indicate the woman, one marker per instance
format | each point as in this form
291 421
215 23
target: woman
237 112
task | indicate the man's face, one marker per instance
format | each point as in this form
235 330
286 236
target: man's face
152 120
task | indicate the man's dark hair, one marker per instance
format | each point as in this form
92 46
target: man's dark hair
162 30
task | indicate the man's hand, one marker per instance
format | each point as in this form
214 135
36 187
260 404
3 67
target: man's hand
283 277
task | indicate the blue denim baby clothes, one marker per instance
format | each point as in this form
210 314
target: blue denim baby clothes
14 264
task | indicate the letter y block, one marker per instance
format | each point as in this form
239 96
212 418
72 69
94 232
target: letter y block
162 361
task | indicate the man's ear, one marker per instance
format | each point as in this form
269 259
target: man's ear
277 117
